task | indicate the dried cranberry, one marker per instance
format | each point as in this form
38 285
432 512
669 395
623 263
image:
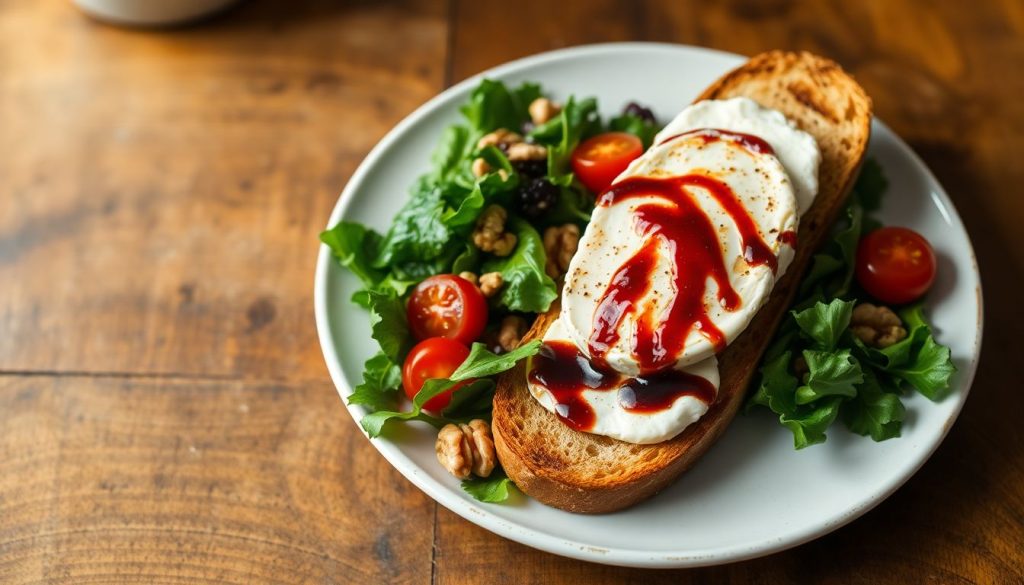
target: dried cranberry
531 169
537 197
635 109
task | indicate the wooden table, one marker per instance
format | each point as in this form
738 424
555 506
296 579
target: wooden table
165 414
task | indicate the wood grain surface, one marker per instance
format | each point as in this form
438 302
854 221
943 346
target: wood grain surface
165 415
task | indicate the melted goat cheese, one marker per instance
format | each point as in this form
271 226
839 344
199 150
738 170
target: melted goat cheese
774 189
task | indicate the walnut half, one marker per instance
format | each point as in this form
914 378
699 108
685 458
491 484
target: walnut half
466 449
560 243
877 326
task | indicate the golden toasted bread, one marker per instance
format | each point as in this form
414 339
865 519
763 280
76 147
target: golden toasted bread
587 473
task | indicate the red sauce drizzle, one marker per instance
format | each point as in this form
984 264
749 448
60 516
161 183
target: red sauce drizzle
748 141
788 238
678 227
566 374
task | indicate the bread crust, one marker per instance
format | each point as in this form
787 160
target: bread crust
586 473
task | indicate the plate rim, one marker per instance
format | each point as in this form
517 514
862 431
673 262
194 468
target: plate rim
543 540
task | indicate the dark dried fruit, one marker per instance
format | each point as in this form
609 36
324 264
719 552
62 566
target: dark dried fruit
531 169
537 197
635 109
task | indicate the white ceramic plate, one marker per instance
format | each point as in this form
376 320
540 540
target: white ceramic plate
752 494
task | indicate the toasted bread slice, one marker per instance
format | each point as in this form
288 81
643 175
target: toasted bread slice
587 473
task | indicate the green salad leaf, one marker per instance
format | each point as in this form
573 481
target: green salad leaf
493 489
841 375
875 411
481 362
643 129
777 391
493 105
527 286
831 373
381 380
577 121
355 246
824 324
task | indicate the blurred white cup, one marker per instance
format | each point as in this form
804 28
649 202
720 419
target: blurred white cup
151 12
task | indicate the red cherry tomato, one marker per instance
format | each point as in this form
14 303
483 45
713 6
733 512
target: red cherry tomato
449 306
598 160
895 265
436 357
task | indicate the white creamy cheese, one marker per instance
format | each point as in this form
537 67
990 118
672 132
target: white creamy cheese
767 185
797 150
612 238
611 420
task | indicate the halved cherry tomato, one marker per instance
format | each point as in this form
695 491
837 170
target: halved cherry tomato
598 160
895 265
436 357
449 306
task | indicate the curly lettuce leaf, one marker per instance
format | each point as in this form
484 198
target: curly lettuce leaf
825 323
381 381
777 391
876 411
831 373
355 246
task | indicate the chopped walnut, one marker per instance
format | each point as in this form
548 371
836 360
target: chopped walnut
877 326
560 243
490 283
542 109
490 234
513 327
525 151
466 448
480 167
467 275
501 138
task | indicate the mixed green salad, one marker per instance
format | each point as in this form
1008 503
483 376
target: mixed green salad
469 258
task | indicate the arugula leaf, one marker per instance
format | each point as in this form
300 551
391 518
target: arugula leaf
355 245
577 120
643 129
491 489
527 286
875 411
824 324
474 400
831 374
483 362
480 363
